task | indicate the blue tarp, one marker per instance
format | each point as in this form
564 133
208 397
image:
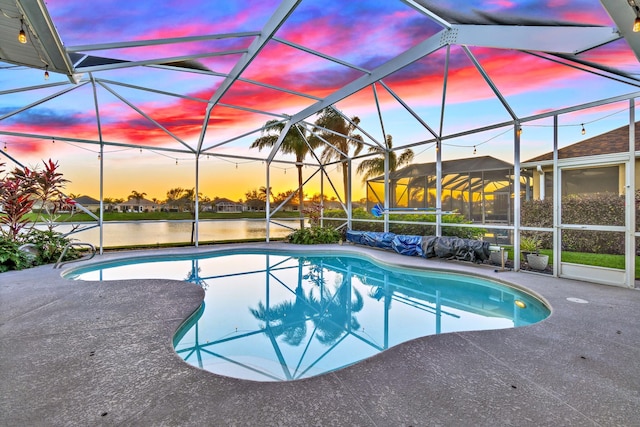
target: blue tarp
408 245
424 246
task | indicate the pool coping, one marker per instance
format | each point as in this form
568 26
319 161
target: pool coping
78 354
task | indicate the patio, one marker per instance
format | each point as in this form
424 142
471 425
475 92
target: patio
77 353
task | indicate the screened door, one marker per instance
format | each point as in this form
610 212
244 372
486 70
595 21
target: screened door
592 237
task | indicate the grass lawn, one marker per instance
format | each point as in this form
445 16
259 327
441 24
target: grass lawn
584 258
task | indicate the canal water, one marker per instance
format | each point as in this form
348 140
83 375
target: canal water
157 232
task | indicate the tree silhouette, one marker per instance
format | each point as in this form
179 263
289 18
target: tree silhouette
295 143
174 196
287 318
341 141
374 166
137 195
264 194
336 311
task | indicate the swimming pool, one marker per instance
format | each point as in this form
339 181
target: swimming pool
277 316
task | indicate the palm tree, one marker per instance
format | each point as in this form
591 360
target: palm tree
137 195
174 196
342 141
264 194
374 166
294 143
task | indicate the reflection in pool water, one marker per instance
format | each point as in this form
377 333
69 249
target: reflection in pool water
276 317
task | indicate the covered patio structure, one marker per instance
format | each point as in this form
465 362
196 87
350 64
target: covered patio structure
480 188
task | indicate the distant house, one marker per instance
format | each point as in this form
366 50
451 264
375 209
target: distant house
138 205
255 205
594 178
226 205
290 206
88 203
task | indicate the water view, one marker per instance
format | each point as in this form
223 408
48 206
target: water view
157 232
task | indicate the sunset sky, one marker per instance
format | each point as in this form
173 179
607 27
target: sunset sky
364 34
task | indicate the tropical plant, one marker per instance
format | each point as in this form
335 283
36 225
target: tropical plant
294 142
49 246
529 244
16 200
374 166
20 190
11 257
315 235
340 135
23 189
48 191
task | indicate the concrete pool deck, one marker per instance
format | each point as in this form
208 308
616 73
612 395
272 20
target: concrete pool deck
100 353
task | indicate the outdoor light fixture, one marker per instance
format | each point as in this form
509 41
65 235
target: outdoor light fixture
22 36
583 130
519 130
636 9
520 304
46 72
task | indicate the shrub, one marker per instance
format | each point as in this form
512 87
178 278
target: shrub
20 190
50 245
315 235
596 208
375 224
11 257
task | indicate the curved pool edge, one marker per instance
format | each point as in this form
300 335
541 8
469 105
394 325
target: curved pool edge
381 256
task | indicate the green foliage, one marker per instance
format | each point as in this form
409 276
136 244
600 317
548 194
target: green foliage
16 201
315 235
20 190
537 213
410 224
530 244
11 257
590 209
50 245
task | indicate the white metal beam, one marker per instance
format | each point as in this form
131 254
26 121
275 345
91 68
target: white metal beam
285 9
156 42
154 61
623 15
407 57
555 39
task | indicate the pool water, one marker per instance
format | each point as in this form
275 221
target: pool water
278 317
